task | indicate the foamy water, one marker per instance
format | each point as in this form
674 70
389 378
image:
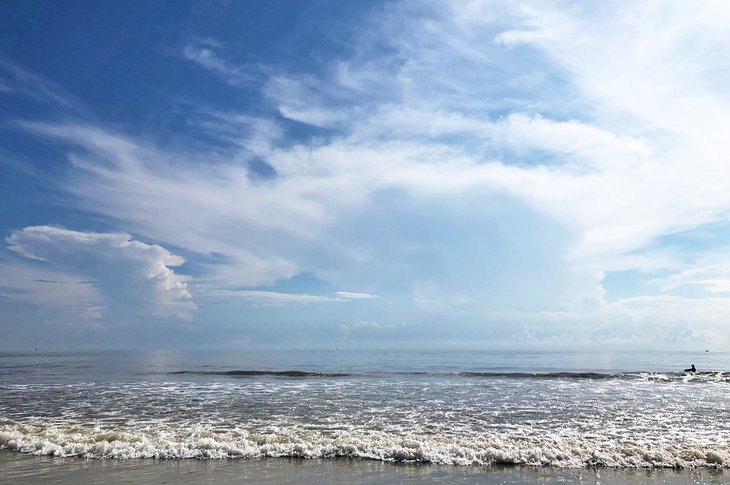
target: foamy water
473 409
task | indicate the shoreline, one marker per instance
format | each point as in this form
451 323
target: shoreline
22 468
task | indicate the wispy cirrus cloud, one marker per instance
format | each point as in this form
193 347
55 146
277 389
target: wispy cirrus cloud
204 53
709 273
276 298
17 80
351 295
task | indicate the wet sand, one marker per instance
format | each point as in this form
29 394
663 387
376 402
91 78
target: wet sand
20 468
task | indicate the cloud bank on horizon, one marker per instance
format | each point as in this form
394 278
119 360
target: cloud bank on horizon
544 174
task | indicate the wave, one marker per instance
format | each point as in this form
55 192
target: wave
574 451
253 373
699 377
710 376
543 375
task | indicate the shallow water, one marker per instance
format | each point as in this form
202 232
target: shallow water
474 409
20 468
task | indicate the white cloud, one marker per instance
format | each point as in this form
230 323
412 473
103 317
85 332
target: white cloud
670 319
204 208
275 298
369 326
113 260
297 99
663 96
624 175
717 285
20 81
203 53
618 139
659 321
272 298
711 277
350 295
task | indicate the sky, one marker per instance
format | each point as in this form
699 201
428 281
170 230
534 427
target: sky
347 174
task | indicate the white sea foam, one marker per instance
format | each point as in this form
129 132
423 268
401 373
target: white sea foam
498 448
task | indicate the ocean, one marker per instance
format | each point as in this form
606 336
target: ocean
331 416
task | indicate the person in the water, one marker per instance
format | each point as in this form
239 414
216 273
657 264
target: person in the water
691 369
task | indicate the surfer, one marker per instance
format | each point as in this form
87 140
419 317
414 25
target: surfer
691 369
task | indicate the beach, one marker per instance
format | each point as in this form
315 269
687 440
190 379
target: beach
19 468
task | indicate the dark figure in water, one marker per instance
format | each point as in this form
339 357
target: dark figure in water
691 369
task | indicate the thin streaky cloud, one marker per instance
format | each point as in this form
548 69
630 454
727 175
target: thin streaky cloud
350 295
20 81
204 54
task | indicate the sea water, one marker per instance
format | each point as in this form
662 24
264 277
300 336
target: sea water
466 408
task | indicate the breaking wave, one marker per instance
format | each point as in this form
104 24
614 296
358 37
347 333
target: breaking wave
514 448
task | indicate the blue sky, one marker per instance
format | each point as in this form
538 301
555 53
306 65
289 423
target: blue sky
364 174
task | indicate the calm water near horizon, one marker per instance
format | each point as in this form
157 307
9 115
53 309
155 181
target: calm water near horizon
122 365
551 410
